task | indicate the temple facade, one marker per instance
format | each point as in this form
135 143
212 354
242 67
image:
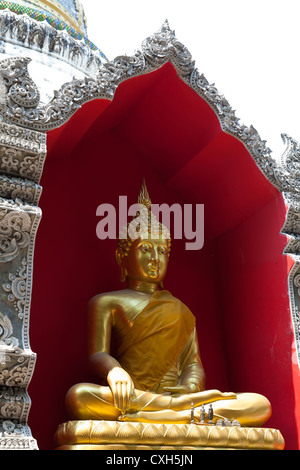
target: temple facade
78 130
53 35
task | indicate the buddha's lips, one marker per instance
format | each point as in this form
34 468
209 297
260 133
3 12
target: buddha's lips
153 272
153 268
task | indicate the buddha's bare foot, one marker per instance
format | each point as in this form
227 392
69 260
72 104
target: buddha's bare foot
214 395
228 395
183 402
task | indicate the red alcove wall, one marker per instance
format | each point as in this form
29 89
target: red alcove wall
236 285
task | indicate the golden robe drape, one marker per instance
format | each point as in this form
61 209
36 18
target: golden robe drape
155 340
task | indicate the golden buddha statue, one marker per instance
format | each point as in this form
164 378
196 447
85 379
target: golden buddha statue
156 374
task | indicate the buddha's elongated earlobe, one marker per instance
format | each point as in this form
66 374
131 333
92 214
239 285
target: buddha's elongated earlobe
123 274
161 285
120 261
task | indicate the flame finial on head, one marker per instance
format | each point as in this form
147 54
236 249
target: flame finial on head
147 224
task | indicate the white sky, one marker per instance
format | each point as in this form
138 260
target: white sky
250 49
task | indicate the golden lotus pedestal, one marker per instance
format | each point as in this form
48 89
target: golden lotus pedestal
115 435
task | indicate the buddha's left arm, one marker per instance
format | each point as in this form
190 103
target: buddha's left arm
191 370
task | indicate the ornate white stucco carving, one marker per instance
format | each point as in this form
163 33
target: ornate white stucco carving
40 36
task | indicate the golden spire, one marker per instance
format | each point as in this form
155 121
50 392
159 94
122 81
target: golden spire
148 225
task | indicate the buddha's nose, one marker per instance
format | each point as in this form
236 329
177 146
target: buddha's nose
154 256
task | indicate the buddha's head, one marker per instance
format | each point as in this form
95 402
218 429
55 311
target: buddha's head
143 253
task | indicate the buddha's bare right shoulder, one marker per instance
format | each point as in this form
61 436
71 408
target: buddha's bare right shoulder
105 302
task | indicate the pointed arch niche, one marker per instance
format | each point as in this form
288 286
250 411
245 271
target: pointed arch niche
154 115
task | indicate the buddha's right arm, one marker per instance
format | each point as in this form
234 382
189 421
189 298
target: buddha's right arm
102 364
100 320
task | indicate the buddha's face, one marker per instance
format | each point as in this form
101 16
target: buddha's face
147 260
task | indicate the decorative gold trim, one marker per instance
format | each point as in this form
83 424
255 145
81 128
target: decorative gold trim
106 433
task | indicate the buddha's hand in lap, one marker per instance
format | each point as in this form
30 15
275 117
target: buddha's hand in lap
122 388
